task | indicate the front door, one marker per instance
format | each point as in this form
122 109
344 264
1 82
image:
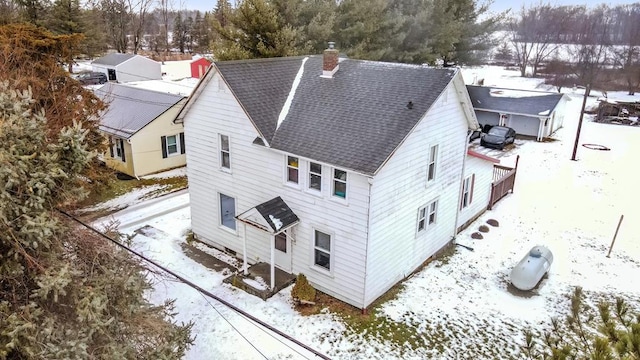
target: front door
283 251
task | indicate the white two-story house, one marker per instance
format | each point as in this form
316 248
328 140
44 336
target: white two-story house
352 171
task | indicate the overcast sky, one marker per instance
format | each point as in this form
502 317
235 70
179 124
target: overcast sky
497 6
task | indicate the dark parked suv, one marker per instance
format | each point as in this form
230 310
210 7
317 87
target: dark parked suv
91 78
498 136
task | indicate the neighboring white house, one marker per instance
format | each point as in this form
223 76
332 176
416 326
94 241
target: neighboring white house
127 67
352 170
531 113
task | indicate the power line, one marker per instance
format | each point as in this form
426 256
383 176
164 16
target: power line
233 327
201 290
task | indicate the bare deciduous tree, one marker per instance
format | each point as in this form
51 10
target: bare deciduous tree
592 50
626 56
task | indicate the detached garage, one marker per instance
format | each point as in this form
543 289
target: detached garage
127 67
531 113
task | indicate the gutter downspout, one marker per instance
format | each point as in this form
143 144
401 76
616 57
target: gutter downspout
460 189
366 248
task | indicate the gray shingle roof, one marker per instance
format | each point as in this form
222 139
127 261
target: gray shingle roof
524 102
354 120
113 59
130 109
277 214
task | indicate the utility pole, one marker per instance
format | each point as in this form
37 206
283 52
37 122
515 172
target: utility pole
584 103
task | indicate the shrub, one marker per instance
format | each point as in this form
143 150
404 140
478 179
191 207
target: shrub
302 290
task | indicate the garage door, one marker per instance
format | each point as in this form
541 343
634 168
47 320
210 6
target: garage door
524 125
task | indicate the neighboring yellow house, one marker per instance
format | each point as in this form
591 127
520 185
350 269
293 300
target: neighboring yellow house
139 124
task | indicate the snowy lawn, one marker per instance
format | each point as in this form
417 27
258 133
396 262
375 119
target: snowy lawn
121 194
460 306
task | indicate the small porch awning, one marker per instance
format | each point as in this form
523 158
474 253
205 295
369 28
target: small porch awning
273 216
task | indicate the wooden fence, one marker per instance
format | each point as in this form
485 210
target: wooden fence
504 179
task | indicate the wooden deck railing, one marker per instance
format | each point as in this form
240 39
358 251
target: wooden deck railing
504 179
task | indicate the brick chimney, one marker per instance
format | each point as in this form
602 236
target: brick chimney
329 61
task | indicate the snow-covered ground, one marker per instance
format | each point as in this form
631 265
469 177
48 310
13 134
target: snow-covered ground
459 307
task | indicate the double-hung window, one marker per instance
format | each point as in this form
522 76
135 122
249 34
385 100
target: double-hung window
427 215
225 152
433 163
172 145
228 211
340 183
119 149
322 250
315 176
292 169
467 191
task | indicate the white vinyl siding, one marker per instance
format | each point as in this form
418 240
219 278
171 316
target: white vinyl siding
398 191
482 173
258 177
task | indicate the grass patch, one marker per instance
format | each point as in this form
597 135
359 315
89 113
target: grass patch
118 187
408 334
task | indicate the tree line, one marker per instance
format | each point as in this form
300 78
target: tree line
413 31
577 45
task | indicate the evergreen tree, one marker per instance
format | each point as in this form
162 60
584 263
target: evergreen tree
610 333
254 30
503 55
64 294
179 30
366 29
66 17
32 58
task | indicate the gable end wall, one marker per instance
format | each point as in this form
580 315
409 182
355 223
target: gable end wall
400 189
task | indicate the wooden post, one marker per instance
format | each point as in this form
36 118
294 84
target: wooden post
615 235
584 103
245 269
273 259
515 172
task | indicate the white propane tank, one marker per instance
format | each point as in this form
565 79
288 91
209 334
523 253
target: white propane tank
532 267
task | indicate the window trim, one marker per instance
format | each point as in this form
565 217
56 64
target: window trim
424 214
177 145
119 145
467 189
310 173
220 220
287 167
222 151
331 253
335 180
432 161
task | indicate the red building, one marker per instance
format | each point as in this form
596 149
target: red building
199 67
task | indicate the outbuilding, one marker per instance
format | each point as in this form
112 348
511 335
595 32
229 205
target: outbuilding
531 113
124 68
199 67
